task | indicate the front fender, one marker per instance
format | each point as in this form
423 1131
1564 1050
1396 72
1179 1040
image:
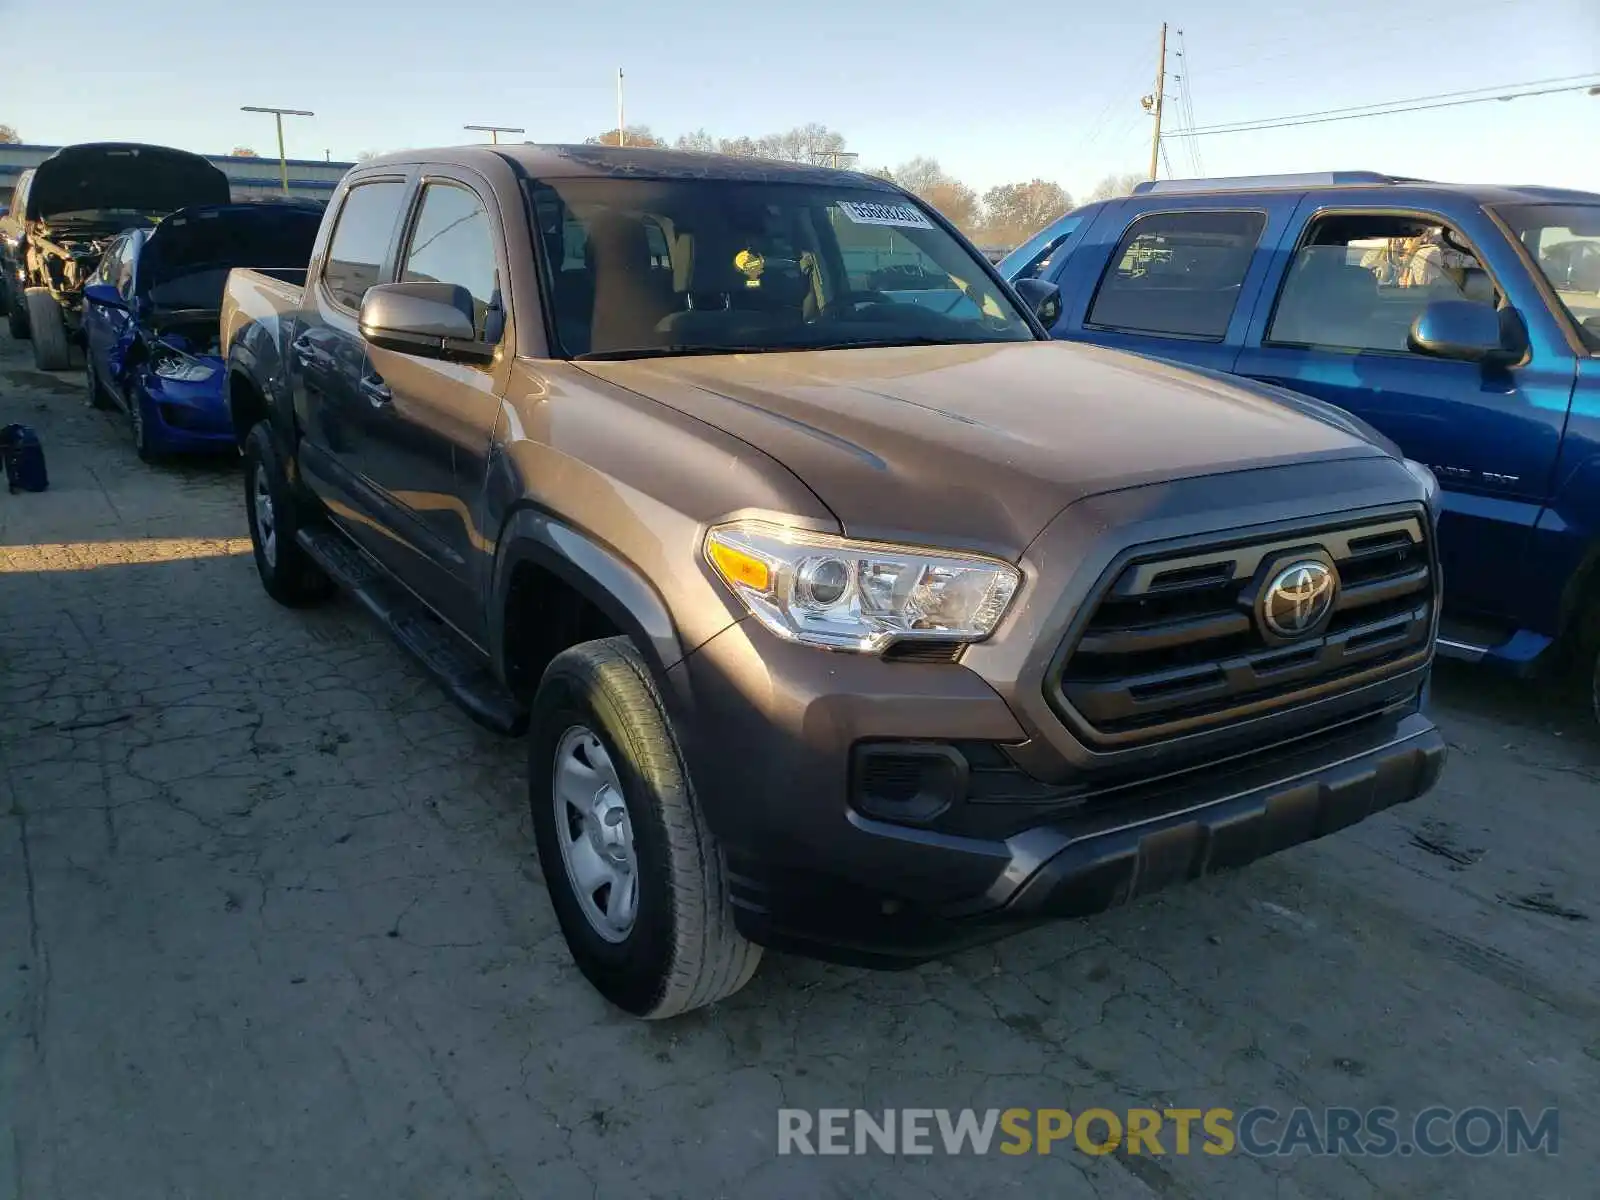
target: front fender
613 586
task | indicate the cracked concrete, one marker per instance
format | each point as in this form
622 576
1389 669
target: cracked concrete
271 924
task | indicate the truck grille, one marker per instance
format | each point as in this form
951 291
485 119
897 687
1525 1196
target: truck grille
1186 641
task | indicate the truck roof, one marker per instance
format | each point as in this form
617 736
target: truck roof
1313 181
556 161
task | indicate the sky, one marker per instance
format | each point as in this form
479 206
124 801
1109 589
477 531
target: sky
997 93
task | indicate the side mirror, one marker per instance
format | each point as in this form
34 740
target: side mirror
1468 332
1043 298
433 320
105 294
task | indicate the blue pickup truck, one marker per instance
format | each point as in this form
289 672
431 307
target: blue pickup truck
1461 322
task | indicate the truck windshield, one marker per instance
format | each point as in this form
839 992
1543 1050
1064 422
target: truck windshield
1564 239
638 268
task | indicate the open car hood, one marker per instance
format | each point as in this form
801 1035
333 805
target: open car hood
123 175
205 242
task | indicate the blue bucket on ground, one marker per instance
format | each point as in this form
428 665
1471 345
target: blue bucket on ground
23 455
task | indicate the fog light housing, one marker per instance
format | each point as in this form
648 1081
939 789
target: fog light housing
906 782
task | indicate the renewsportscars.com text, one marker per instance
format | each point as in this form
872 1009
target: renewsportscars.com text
1258 1132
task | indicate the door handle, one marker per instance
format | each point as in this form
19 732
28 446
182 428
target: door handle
376 391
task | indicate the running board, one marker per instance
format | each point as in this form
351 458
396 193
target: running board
455 665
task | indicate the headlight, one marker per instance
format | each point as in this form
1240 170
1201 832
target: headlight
848 595
184 370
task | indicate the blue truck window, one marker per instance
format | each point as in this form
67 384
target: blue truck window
1178 273
1033 258
1359 280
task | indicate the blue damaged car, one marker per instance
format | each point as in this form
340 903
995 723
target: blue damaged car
152 312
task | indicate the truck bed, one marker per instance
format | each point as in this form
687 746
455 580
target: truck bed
265 296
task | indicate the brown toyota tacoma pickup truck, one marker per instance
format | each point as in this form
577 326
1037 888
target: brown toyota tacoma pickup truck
843 612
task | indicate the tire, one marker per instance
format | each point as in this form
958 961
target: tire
51 350
287 572
681 950
16 316
140 428
97 392
1594 687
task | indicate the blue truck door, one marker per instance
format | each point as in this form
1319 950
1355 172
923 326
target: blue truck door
1334 325
1568 531
1172 277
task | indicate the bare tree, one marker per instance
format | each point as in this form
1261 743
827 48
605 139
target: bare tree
1014 211
925 178
9 135
1113 186
637 136
813 143
244 152
698 142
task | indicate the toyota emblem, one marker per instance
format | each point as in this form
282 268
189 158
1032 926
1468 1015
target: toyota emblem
1298 597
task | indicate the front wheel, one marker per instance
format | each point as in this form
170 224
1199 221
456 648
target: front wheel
51 350
287 572
96 389
636 878
139 424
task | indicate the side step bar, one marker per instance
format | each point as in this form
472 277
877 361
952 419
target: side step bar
456 666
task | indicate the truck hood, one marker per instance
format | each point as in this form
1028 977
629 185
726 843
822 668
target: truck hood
122 176
985 443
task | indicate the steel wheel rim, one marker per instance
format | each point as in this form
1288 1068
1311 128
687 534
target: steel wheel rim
595 834
266 520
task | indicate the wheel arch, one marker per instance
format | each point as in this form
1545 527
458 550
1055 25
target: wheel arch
533 540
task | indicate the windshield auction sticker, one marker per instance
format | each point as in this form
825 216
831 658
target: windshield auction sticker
902 215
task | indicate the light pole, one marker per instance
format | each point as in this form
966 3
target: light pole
494 131
280 114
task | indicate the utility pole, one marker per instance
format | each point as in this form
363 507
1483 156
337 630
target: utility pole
1152 102
280 114
622 129
494 131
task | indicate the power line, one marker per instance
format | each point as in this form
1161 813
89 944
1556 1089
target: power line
1187 104
1389 107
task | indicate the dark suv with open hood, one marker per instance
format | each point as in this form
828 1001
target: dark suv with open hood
66 211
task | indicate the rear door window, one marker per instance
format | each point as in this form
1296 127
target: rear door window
361 240
1178 274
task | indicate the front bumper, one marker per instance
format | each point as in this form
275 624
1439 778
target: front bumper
184 417
769 730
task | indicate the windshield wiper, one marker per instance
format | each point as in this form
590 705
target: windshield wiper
907 340
676 351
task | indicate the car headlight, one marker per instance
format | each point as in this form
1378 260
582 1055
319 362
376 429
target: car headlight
183 370
850 595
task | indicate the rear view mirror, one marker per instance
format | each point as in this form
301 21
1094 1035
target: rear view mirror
1468 332
105 294
1043 298
434 320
